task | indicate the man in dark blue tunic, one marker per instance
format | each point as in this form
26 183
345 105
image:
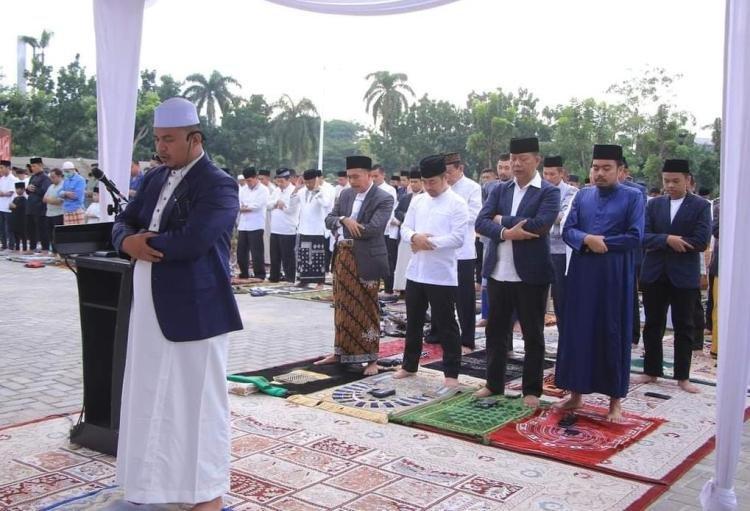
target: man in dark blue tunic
604 229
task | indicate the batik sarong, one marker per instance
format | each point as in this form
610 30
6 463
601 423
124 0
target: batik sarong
356 311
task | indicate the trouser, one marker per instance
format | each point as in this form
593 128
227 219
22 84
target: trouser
558 289
699 321
529 301
636 308
251 243
19 241
479 246
37 231
657 298
51 223
329 256
710 302
441 300
282 254
392 247
466 305
6 230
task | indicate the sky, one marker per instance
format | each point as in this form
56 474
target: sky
555 48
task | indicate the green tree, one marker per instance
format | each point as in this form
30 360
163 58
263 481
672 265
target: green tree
341 140
576 127
496 117
386 98
244 137
168 87
428 127
211 92
74 120
295 128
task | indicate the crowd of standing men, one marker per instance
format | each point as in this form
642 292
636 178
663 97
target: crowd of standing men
434 234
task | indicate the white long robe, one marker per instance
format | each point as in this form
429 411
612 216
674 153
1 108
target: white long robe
174 437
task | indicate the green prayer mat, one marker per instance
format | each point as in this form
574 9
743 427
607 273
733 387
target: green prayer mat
263 384
459 414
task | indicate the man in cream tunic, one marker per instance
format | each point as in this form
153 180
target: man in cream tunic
174 423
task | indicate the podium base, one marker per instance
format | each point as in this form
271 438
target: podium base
95 437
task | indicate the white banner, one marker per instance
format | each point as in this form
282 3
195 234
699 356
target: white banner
734 272
118 25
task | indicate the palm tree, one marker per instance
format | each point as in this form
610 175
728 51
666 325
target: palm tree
296 128
38 47
386 97
211 92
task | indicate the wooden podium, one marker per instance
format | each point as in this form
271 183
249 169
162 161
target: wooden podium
105 291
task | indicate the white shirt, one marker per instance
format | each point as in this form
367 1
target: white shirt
444 217
338 189
390 230
359 199
471 193
283 221
7 184
256 199
314 206
93 212
505 268
175 177
674 205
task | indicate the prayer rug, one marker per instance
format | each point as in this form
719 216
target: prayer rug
475 365
285 457
588 442
111 499
395 350
304 377
355 398
461 414
548 385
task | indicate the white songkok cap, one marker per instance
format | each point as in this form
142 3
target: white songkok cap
240 178
175 113
68 165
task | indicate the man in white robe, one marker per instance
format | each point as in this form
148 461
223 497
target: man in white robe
174 436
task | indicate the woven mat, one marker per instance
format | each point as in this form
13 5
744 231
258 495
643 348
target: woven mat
548 385
475 365
32 259
111 499
355 399
291 458
588 442
459 414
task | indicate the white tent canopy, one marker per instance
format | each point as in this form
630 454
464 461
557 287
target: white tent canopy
118 26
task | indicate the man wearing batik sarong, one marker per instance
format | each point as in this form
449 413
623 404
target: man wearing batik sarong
360 215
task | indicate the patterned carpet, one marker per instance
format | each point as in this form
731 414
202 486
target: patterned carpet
291 458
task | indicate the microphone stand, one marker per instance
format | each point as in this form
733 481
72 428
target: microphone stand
116 207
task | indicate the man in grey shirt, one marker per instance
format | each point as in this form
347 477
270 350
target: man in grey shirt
553 174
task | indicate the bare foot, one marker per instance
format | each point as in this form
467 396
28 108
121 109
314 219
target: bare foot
450 383
573 402
688 387
644 378
615 410
465 350
531 402
402 373
483 392
330 359
212 505
371 369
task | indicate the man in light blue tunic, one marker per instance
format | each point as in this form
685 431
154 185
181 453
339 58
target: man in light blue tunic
604 229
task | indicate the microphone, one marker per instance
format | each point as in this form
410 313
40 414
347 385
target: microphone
99 176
